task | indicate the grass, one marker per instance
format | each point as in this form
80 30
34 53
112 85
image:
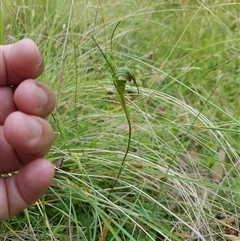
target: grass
183 164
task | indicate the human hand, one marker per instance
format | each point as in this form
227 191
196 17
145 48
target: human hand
25 136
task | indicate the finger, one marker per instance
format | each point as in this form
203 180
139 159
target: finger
9 161
20 61
30 136
7 105
25 188
34 98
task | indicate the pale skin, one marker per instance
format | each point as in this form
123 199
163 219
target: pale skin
25 135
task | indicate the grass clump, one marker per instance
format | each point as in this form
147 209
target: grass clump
183 164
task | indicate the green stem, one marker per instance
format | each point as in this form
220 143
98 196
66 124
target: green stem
123 104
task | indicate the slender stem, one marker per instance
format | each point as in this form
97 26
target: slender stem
123 104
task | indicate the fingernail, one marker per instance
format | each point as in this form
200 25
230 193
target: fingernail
42 97
34 127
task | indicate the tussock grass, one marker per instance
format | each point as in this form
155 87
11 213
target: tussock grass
183 164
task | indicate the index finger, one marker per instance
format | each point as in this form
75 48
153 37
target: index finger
20 61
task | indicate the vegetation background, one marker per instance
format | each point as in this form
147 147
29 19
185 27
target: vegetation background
182 172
